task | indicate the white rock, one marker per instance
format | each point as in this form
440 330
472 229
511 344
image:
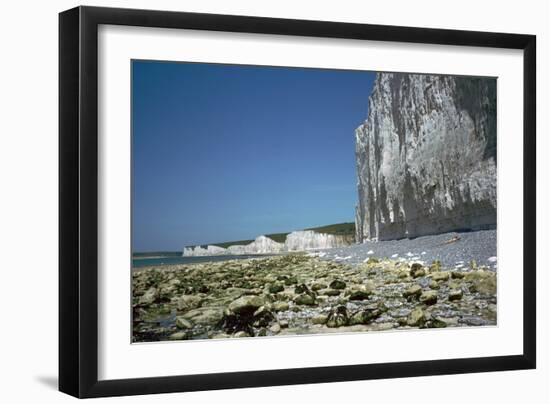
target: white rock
426 156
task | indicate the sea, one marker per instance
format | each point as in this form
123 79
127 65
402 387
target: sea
154 261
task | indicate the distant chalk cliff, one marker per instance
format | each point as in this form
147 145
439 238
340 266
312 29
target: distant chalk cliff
296 241
426 157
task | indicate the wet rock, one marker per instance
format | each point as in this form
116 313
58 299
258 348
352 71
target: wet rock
319 319
218 335
262 317
484 282
246 305
455 294
241 334
435 266
177 336
276 288
305 299
337 284
417 270
449 321
373 260
440 276
338 317
413 292
188 302
360 294
301 288
280 306
429 297
382 326
183 323
365 316
416 318
205 315
291 281
403 274
331 292
435 323
457 275
318 286
433 285
275 328
149 297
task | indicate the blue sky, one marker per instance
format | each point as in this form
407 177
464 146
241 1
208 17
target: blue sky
228 152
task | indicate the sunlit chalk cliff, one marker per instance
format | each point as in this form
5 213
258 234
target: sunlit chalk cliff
311 240
295 241
261 245
198 251
426 157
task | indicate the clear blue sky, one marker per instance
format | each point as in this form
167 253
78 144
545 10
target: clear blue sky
227 152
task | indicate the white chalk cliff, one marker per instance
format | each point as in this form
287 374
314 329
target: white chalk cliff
426 157
311 240
295 241
261 245
198 251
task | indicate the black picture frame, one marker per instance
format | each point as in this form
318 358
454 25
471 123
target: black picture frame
78 201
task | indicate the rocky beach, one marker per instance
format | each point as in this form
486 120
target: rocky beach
421 252
311 293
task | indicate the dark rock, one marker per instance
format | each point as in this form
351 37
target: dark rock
429 297
455 294
276 288
417 270
338 317
359 294
337 284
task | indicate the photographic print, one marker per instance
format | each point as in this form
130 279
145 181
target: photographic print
280 201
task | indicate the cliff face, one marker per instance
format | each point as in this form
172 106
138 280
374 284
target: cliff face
261 245
295 241
426 157
310 240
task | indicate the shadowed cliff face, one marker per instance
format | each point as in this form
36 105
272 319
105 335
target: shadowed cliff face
426 157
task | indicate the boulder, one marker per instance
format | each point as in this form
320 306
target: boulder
305 299
337 284
455 294
484 282
246 305
429 297
413 292
183 323
440 276
149 297
338 317
416 318
417 270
